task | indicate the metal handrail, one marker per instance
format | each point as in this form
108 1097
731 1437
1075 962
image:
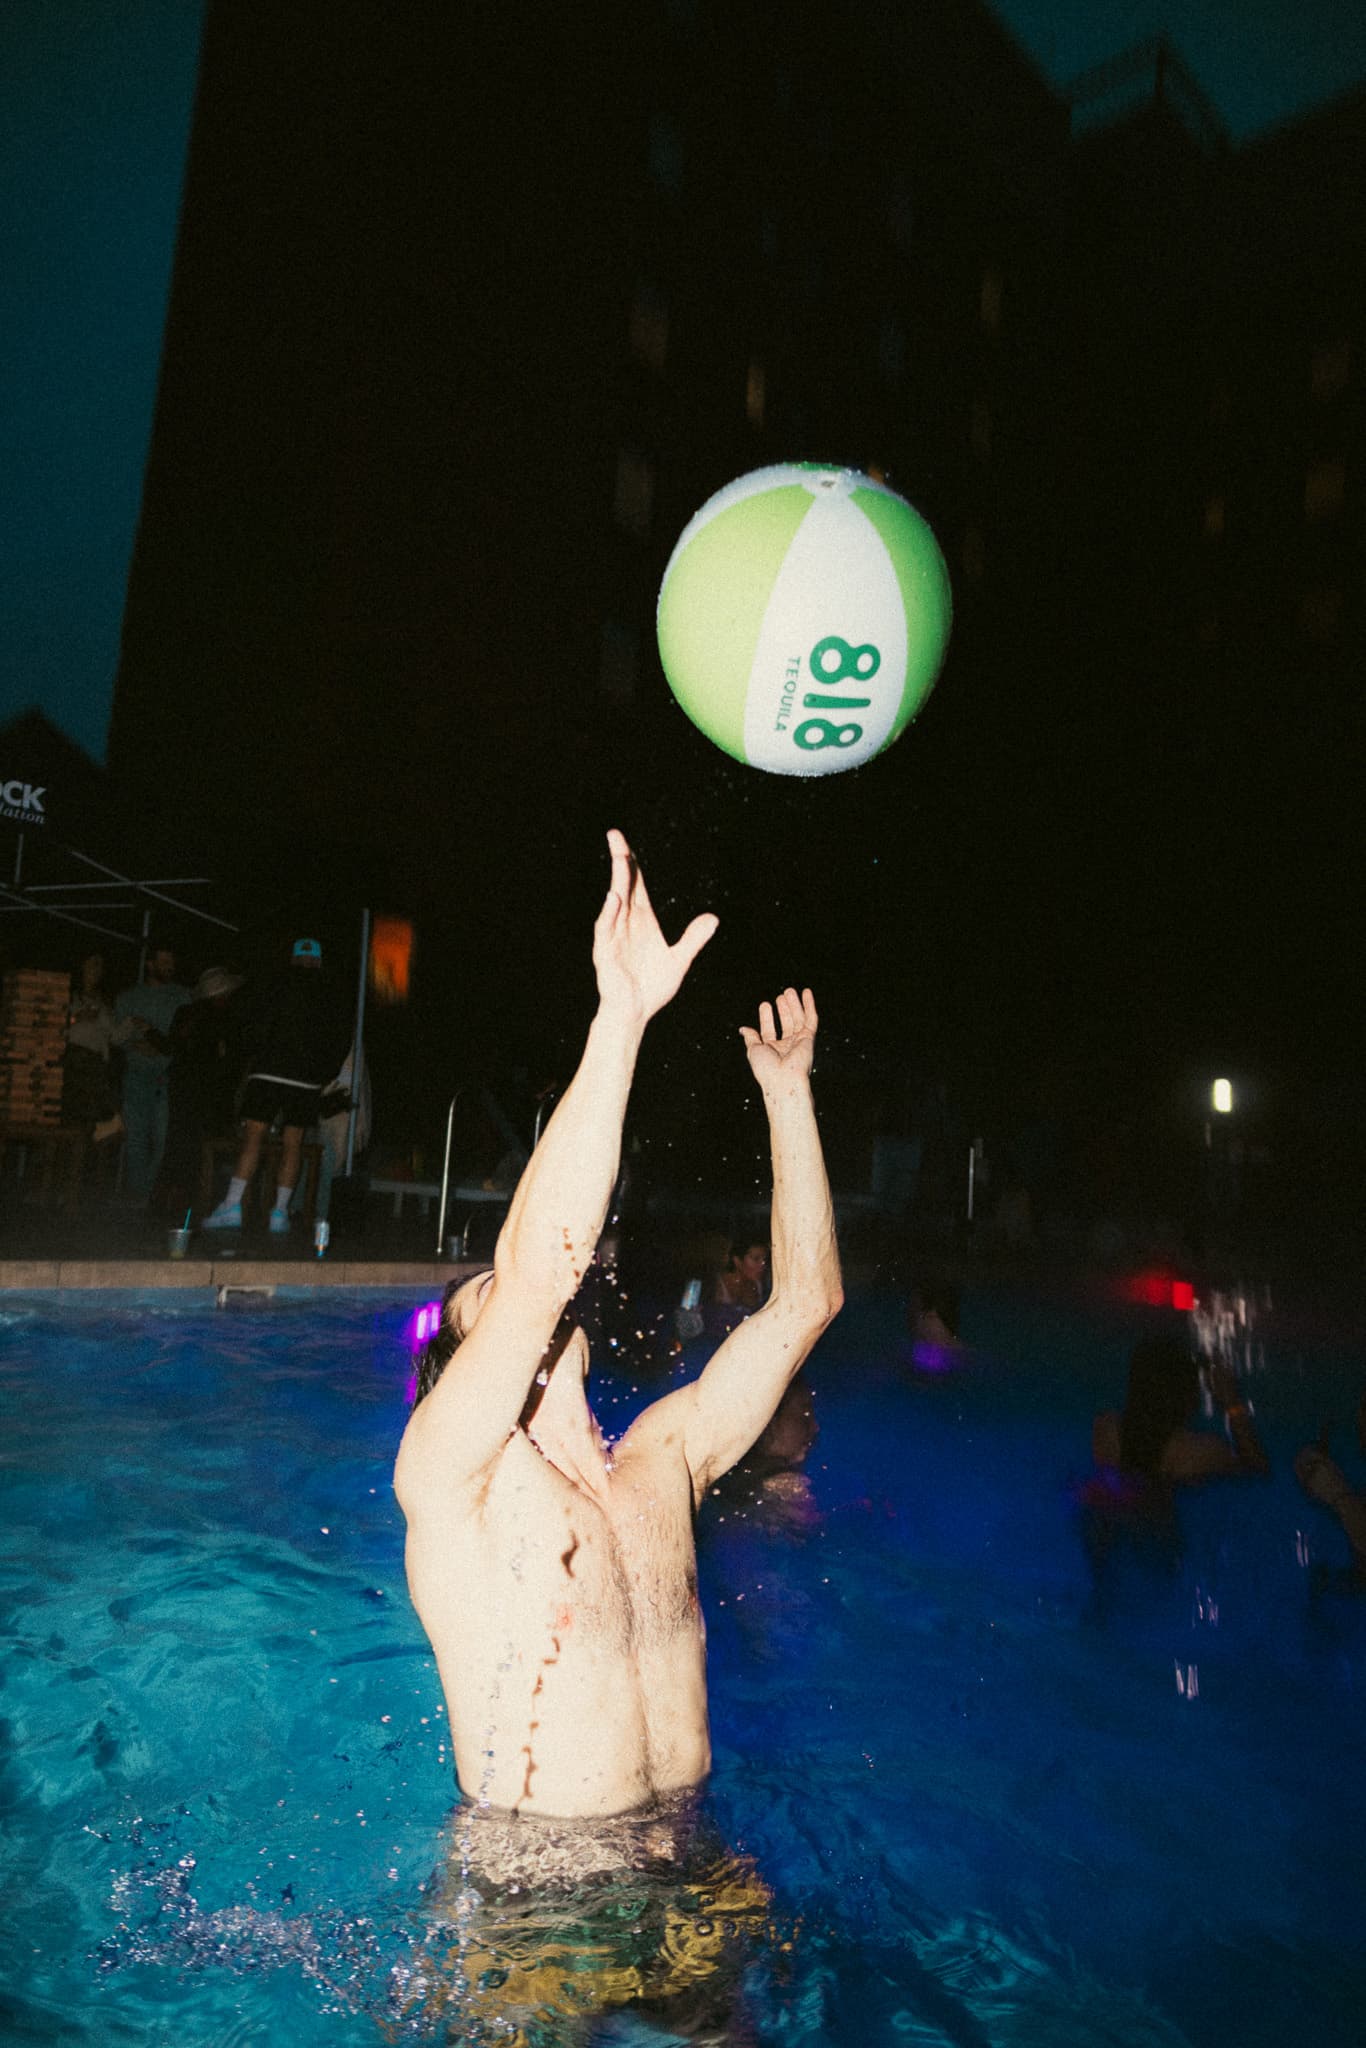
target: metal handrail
541 1108
446 1176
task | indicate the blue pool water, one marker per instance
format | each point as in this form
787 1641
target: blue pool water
994 1803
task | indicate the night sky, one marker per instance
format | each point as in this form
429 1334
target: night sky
1259 61
94 118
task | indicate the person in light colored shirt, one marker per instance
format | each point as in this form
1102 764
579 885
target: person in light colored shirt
142 1027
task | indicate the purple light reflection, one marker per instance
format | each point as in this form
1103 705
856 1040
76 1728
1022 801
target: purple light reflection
936 1358
423 1325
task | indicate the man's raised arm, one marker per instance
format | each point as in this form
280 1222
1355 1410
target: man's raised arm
729 1407
556 1215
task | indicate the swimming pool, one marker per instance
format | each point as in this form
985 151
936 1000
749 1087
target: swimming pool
990 1808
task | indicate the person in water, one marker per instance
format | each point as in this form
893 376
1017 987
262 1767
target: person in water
555 1575
770 1484
1324 1480
932 1321
1152 1442
740 1283
1146 1453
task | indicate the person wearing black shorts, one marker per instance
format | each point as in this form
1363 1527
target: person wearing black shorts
301 1040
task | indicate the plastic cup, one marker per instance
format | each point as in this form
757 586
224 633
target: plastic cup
177 1244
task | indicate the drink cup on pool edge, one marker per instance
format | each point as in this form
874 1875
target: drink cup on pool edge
177 1244
322 1233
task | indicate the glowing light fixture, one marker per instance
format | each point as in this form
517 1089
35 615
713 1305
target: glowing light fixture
391 959
1222 1097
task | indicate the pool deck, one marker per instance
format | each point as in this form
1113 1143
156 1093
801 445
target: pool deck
43 1275
121 1246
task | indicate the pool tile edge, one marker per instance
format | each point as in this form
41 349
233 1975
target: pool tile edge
32 1276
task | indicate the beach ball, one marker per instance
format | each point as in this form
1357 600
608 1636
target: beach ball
803 618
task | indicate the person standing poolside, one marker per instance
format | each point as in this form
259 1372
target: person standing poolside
300 1036
90 1092
206 1062
143 1022
555 1575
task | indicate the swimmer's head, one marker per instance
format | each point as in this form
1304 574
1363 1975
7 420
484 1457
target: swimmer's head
786 1443
1162 1395
749 1259
934 1298
460 1306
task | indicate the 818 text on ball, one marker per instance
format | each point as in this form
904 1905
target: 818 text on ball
858 664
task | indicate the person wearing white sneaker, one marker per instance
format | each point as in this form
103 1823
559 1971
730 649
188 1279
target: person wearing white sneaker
301 1037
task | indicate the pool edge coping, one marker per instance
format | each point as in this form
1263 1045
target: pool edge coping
60 1276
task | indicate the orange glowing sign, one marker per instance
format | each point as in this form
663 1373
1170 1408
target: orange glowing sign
391 959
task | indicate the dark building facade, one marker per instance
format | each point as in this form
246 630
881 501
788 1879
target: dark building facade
1219 524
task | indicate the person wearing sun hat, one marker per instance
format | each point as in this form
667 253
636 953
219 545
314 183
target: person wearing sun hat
299 1040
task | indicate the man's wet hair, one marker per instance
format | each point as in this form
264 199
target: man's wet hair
939 1297
1162 1394
747 1241
437 1353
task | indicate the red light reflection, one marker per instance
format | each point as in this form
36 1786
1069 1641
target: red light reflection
1157 1289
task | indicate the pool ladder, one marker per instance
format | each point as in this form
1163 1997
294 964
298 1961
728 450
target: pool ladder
541 1108
445 1188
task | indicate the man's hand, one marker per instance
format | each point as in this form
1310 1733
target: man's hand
638 973
781 1055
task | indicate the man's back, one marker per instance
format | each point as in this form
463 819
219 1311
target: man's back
567 1628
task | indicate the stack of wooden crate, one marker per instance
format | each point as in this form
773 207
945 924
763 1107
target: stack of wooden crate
33 1014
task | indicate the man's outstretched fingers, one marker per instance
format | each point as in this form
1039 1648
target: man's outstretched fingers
695 937
608 915
766 1030
623 862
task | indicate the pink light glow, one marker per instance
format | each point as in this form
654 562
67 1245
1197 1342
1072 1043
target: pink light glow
424 1325
935 1358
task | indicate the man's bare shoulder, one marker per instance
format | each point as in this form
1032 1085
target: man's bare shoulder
457 1497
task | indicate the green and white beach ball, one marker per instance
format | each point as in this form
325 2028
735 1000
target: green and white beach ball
803 618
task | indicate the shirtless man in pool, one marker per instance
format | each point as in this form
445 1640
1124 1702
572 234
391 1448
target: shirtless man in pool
556 1577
